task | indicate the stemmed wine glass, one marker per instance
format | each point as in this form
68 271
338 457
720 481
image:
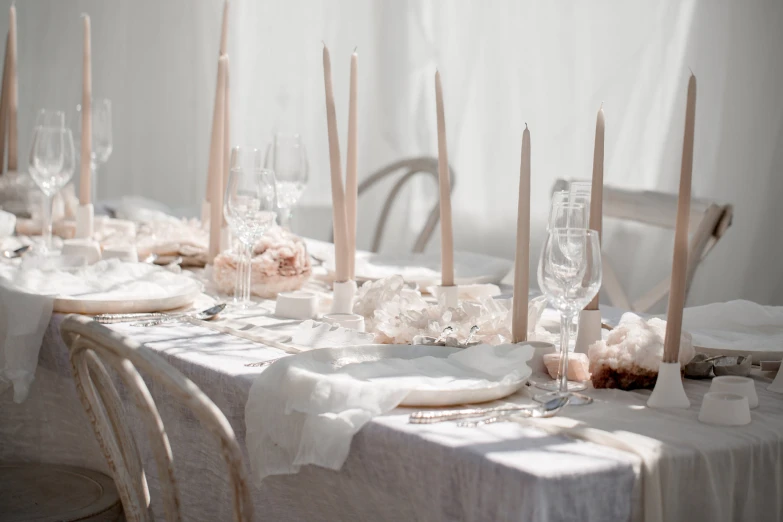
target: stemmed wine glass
287 157
569 275
102 139
52 164
250 208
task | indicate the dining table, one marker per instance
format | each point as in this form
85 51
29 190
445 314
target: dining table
538 469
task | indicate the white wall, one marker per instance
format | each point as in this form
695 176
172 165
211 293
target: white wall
504 62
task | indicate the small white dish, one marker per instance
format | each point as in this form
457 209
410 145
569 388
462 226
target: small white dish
87 248
737 385
724 409
296 305
126 253
352 321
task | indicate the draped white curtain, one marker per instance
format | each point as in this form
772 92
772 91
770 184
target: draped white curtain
503 63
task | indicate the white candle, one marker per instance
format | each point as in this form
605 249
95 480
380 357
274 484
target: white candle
216 162
13 94
86 152
227 107
351 182
444 185
597 189
522 263
671 345
339 217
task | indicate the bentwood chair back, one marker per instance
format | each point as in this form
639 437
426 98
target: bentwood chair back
411 168
707 225
92 348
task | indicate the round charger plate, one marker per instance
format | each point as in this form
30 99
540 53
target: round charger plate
459 390
91 306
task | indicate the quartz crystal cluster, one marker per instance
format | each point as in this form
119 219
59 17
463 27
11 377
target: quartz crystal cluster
396 314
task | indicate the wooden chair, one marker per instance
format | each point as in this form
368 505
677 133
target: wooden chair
707 225
412 167
91 345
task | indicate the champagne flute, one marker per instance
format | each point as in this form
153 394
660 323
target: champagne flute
53 160
569 275
250 209
287 157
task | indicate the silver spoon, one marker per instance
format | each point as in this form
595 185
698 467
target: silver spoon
431 417
549 409
204 315
19 252
127 318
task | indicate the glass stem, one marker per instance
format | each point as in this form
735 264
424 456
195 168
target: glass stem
94 182
285 217
240 279
48 201
566 318
247 256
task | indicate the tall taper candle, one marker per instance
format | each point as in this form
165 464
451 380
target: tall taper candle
216 165
226 134
597 189
444 185
86 152
522 263
13 94
339 217
671 344
351 183
4 105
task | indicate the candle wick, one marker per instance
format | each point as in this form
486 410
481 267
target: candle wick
601 107
526 125
323 43
84 15
354 49
691 70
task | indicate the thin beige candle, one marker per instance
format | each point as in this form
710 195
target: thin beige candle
444 185
13 94
671 344
216 162
522 263
4 105
226 133
597 189
339 217
86 152
351 160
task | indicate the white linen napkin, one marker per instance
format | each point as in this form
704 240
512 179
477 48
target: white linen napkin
23 321
737 326
306 409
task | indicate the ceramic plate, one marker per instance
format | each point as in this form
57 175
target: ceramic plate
432 384
105 305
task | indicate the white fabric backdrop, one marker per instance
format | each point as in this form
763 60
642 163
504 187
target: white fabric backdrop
503 62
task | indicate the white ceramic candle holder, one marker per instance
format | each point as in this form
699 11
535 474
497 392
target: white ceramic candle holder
589 330
668 391
777 384
344 292
85 217
744 386
352 321
450 293
724 409
87 248
296 305
125 253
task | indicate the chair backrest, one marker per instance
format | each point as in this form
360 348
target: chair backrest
92 346
412 167
707 224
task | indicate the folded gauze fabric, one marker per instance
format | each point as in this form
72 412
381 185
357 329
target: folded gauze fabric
305 409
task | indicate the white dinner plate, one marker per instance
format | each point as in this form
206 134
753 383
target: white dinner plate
103 305
422 269
431 386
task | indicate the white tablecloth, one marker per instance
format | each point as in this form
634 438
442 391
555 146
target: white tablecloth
397 471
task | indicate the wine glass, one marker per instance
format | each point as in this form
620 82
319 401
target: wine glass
287 157
53 162
102 140
250 209
569 275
